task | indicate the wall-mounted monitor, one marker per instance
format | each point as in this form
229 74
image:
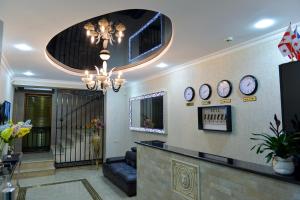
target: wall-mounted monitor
5 112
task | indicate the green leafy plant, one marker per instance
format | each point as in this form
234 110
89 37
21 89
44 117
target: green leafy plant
279 144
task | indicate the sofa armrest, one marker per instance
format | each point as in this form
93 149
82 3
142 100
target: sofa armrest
115 159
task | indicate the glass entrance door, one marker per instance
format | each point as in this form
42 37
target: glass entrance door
38 108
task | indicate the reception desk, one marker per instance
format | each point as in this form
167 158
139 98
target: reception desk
165 172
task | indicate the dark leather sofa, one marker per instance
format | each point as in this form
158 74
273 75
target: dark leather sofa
122 171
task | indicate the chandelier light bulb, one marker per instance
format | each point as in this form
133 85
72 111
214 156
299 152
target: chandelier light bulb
119 74
92 39
102 29
88 32
119 40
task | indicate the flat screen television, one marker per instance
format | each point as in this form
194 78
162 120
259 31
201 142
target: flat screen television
5 112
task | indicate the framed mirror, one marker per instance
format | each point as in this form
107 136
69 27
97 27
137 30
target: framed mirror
147 113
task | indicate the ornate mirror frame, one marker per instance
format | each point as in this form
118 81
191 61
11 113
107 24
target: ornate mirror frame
150 130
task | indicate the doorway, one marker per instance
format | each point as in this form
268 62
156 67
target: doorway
38 108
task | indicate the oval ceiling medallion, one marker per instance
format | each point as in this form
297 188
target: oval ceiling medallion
134 38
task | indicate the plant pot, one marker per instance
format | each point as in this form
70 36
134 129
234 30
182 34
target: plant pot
284 166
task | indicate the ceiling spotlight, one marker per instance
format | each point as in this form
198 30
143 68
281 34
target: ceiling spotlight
264 23
23 47
162 65
229 39
28 73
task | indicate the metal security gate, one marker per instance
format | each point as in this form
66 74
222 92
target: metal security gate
75 109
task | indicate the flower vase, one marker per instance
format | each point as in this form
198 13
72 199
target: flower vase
4 150
96 143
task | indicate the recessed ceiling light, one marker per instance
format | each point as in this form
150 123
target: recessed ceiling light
264 23
28 73
23 47
229 39
162 65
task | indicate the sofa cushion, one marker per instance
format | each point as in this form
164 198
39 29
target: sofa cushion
133 149
121 166
130 158
128 174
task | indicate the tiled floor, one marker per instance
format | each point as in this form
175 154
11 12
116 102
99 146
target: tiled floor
105 189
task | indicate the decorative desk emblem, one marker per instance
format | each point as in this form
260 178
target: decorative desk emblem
185 179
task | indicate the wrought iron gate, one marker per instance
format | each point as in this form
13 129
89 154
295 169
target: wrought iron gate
74 110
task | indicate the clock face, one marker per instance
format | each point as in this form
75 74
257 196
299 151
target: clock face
248 85
224 88
189 93
205 91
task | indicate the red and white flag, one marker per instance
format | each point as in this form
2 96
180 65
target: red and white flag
296 40
296 43
285 49
285 46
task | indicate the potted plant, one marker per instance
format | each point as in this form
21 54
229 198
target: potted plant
281 147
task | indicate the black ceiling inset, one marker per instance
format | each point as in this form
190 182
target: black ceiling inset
74 49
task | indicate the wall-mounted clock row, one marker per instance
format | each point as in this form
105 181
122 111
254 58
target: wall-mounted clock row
248 86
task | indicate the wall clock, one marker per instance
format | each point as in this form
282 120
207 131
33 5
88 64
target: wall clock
205 91
224 88
248 85
189 93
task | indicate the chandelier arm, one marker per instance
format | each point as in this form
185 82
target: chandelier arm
93 87
114 88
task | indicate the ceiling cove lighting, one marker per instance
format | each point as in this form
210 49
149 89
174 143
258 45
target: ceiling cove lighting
23 47
104 33
264 23
28 73
162 65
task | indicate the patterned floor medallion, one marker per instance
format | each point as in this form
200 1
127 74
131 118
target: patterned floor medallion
185 179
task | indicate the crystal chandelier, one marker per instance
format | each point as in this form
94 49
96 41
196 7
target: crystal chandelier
104 32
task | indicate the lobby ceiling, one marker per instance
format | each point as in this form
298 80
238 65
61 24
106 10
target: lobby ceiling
199 28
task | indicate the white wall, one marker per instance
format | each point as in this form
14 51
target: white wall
6 89
117 136
260 60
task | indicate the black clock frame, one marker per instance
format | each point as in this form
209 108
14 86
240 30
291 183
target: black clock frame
210 91
193 94
230 88
256 85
